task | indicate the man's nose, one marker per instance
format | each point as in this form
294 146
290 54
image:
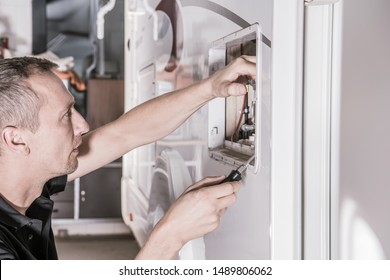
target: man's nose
80 125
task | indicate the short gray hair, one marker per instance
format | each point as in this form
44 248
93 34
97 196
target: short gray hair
19 104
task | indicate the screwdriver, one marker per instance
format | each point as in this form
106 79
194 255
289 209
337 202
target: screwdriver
235 175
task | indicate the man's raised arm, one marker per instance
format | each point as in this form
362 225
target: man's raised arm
158 117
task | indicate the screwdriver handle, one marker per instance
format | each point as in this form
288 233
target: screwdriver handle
233 176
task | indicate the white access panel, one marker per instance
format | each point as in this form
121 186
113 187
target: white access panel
221 145
244 233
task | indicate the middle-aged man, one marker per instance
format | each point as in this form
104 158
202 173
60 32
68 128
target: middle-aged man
44 142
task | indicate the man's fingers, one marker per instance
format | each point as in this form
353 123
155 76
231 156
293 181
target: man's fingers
224 189
250 58
247 66
236 89
221 212
205 182
226 201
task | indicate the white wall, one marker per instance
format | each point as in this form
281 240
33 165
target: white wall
364 194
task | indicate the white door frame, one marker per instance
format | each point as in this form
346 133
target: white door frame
320 126
286 168
305 126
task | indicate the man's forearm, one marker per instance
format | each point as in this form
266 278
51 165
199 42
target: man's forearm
160 116
162 244
143 124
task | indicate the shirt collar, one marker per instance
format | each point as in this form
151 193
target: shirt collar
12 218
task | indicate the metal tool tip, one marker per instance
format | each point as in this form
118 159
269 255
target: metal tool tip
250 160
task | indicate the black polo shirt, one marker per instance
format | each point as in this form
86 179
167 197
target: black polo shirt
31 236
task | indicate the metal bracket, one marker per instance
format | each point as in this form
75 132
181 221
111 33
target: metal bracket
319 2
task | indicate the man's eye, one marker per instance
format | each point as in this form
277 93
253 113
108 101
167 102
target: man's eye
68 114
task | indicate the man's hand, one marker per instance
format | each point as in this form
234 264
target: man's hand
230 81
195 213
199 209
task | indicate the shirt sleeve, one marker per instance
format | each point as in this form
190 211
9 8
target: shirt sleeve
5 255
57 184
5 252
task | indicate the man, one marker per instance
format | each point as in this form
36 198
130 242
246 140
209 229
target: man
44 142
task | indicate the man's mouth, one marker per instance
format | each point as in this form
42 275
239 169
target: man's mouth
76 149
78 145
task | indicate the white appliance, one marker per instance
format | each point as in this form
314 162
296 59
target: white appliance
317 189
166 51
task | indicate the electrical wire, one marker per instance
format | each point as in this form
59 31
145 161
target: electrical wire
239 120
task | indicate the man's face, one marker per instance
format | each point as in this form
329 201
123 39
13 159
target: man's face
54 146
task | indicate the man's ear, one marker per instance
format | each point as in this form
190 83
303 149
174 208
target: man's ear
13 139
